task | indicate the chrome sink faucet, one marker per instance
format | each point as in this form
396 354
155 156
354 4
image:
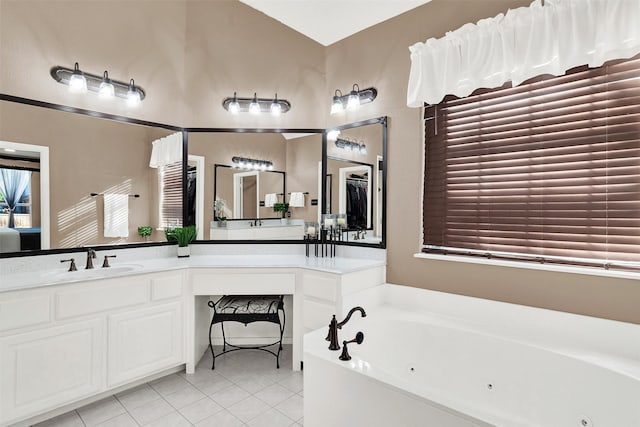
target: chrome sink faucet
332 336
91 254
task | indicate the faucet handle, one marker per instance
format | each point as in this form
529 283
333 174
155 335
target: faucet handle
72 266
345 352
106 260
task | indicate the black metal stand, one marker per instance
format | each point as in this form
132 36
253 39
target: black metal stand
247 318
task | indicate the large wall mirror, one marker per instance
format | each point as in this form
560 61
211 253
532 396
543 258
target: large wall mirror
66 162
79 180
245 174
355 178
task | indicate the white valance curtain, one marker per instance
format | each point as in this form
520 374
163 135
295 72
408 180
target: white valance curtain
166 150
523 43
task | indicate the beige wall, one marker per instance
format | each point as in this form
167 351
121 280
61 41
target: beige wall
379 57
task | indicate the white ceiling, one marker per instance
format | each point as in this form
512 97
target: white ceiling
328 21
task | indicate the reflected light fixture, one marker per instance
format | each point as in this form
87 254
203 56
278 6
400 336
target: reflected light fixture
352 146
256 105
106 89
353 99
254 164
80 82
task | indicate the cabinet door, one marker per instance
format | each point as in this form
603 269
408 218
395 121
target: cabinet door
47 368
144 341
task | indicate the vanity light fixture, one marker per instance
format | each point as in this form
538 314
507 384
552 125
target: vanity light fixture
256 105
245 163
79 82
352 146
353 99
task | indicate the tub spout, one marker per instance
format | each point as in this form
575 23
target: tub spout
332 336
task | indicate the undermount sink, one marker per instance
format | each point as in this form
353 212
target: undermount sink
96 272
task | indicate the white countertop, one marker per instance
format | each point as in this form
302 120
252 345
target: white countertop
59 276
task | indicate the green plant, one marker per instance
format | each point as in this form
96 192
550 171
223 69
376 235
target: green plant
145 231
182 235
281 207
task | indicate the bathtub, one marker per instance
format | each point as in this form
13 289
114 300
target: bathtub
442 360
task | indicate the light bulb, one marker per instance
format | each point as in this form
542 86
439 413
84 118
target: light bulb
276 108
133 96
332 135
336 105
106 89
254 107
354 99
234 105
77 81
270 167
363 149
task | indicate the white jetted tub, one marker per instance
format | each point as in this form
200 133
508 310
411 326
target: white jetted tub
441 360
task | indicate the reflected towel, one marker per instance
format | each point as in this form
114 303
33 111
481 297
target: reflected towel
116 215
296 200
270 199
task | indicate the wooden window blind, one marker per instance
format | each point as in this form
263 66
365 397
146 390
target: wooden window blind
546 171
171 195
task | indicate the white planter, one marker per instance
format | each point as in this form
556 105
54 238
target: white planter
183 252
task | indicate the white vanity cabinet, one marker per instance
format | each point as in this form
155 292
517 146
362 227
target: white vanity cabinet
60 344
283 232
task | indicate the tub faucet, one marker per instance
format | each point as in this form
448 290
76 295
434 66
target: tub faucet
332 336
91 254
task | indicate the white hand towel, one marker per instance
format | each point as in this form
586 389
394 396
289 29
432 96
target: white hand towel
270 199
116 215
296 200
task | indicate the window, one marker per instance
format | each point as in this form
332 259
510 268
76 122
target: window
170 209
546 171
22 208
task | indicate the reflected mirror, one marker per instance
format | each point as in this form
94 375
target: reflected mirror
355 179
77 180
240 198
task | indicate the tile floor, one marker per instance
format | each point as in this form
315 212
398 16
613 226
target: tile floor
245 389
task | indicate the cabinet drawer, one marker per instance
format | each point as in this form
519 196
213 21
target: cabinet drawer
320 286
24 311
317 314
94 297
211 283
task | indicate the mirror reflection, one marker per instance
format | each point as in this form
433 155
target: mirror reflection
64 158
355 184
243 201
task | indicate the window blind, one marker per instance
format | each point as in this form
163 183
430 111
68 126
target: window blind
171 195
548 170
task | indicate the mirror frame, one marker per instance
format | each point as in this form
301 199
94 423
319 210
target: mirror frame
383 120
185 165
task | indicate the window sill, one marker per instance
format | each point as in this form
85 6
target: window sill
590 271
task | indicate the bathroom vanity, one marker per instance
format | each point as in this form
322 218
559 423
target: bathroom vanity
264 230
67 338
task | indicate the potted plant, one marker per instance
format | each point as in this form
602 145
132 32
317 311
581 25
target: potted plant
145 231
282 207
183 236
